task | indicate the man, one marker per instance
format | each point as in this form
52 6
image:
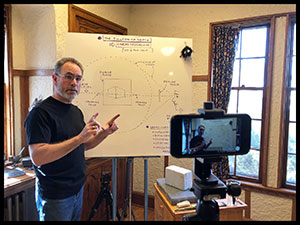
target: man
57 137
198 143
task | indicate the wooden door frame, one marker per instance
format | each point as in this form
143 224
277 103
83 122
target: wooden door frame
75 13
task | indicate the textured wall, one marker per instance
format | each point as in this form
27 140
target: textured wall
270 208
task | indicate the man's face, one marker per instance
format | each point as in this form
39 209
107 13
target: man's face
201 130
66 88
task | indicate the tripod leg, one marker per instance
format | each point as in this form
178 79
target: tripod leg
109 200
108 207
96 205
124 210
133 215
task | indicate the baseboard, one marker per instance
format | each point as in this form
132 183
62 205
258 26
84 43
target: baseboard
138 198
247 219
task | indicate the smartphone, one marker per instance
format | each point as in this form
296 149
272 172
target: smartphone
195 135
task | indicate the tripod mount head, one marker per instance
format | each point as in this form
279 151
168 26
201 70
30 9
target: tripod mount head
105 178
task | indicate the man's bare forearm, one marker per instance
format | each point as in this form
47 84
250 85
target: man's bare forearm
43 153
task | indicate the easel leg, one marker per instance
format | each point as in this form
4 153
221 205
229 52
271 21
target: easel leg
128 191
146 189
130 185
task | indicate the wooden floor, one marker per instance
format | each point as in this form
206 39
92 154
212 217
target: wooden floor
138 211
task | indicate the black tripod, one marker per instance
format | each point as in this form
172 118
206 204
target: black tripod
104 193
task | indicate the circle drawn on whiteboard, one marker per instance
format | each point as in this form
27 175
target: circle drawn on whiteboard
117 88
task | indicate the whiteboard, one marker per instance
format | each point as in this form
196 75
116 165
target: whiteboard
142 78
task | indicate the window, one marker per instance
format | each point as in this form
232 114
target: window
289 122
248 95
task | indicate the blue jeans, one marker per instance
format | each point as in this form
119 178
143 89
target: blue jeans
67 209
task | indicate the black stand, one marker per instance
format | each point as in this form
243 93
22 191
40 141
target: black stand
206 186
104 193
128 182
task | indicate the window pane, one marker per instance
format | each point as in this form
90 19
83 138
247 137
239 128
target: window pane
293 106
255 134
252 72
254 42
232 102
291 170
294 40
248 165
292 138
231 164
238 47
293 79
250 102
235 75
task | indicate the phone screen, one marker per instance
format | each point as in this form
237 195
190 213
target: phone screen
198 136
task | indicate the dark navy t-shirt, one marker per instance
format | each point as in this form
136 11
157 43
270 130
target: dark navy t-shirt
196 141
52 121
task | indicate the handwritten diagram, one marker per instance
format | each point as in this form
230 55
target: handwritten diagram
130 75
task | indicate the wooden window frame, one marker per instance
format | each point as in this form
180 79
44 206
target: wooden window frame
271 18
284 121
248 186
265 91
266 108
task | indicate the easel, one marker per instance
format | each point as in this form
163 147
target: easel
114 186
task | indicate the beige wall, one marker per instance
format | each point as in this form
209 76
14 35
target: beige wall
39 40
33 40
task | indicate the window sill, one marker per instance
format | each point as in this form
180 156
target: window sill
280 192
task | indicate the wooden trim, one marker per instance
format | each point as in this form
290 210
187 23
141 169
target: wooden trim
282 162
10 131
280 169
267 109
294 211
24 101
252 19
24 97
200 78
76 12
138 198
36 72
209 98
278 192
248 203
166 164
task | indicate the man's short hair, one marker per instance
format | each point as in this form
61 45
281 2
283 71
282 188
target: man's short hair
64 60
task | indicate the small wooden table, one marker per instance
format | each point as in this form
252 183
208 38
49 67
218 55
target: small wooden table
14 188
163 210
17 184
